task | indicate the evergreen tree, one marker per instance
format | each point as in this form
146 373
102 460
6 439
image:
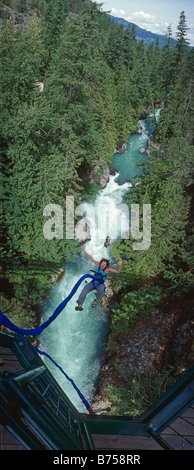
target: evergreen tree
96 81
154 73
77 79
176 118
54 15
168 61
139 80
181 35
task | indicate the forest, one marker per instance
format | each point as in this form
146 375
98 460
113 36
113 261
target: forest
74 85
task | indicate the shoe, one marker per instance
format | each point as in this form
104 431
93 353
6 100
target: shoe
79 307
94 303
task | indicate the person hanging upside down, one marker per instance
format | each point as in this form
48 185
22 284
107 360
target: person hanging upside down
103 269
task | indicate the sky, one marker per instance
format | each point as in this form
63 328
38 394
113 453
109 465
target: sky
153 15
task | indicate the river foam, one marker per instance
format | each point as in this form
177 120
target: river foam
76 340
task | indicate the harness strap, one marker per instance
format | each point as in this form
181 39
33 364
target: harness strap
97 277
102 274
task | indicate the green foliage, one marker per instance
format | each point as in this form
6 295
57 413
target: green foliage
54 15
176 118
165 185
112 346
90 191
22 61
95 81
182 41
17 312
133 306
141 389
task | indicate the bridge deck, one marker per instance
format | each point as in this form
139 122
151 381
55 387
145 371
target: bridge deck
180 434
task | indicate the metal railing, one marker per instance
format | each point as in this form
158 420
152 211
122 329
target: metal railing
34 407
39 414
159 420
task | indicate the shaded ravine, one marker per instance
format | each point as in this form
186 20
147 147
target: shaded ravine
76 340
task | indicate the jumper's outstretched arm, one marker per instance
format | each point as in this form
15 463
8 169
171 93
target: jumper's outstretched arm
90 257
112 270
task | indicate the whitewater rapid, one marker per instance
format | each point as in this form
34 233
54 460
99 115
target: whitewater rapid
76 340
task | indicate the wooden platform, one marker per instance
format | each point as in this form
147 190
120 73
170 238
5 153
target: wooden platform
8 363
180 434
8 442
104 442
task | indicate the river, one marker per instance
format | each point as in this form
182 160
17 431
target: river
76 340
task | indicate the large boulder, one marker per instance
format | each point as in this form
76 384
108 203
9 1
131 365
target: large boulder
100 177
151 141
107 241
121 148
142 150
108 295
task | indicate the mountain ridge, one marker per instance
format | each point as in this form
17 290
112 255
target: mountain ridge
141 33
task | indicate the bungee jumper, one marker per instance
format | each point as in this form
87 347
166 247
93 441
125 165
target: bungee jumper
97 282
102 270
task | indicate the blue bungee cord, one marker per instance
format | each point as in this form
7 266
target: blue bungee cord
36 331
84 401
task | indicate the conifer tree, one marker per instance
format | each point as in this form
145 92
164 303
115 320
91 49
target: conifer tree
181 35
98 81
168 61
54 15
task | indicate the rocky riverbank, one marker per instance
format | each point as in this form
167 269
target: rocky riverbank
163 338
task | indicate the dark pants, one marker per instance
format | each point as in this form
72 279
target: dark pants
88 288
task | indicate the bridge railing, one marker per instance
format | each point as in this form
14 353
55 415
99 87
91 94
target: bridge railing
35 408
38 412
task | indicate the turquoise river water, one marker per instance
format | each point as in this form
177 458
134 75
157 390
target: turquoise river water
76 340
